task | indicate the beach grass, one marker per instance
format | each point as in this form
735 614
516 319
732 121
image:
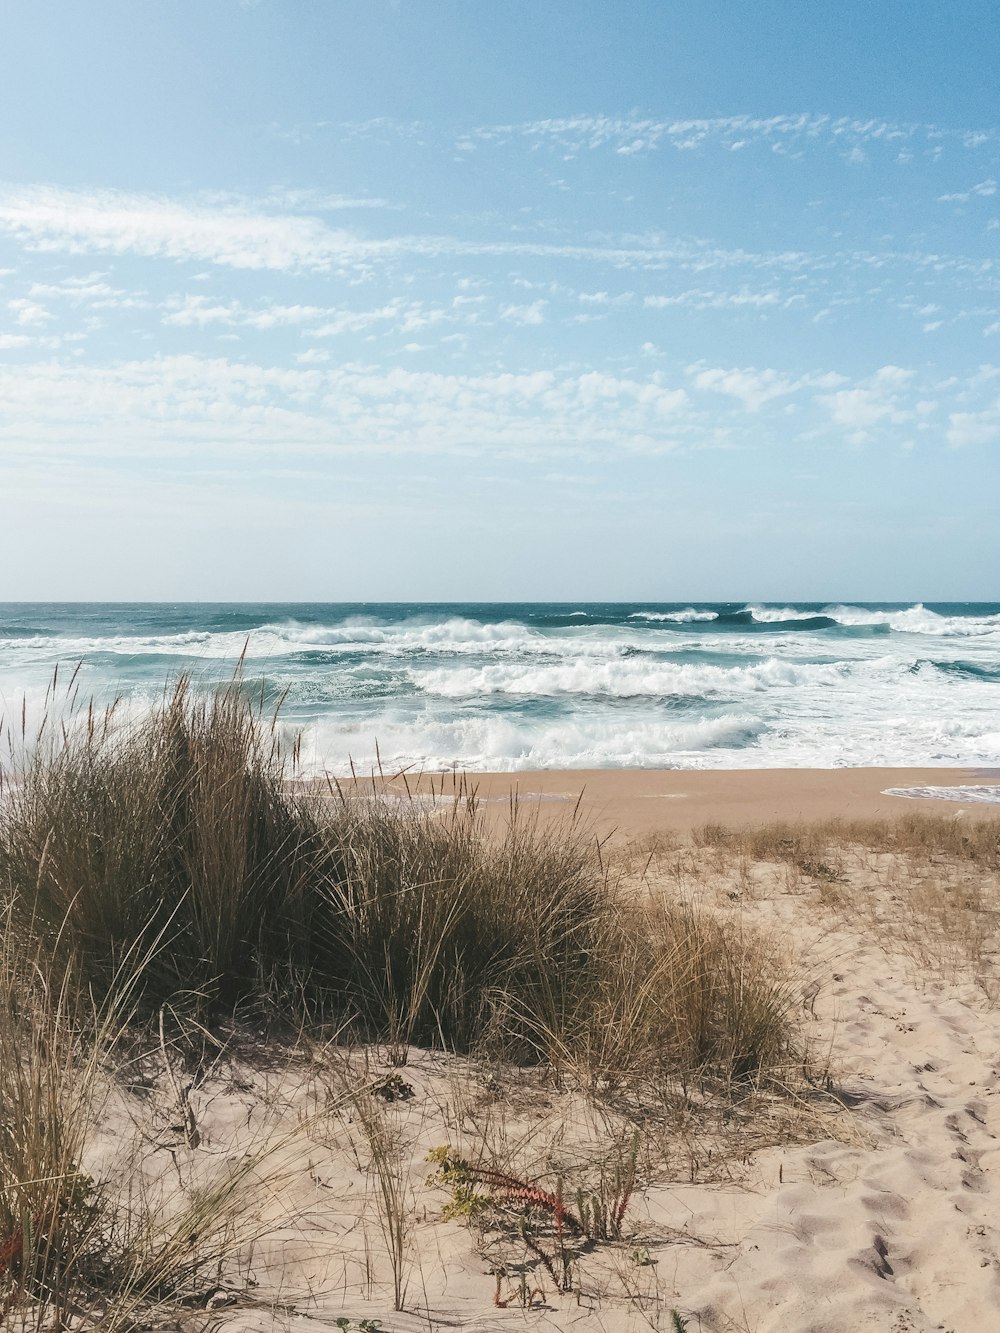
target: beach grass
180 840
924 886
163 877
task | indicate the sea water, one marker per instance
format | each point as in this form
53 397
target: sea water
540 685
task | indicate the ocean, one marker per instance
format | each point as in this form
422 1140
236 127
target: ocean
545 685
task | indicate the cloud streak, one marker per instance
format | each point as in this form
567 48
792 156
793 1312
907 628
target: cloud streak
205 408
631 135
46 219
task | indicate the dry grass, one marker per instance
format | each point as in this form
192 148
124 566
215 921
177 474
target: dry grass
174 833
919 835
47 1204
167 871
178 840
394 1205
924 886
111 1241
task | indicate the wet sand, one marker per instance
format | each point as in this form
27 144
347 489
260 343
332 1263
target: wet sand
637 802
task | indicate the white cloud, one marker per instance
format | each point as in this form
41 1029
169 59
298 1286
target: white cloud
245 236
874 401
169 407
984 190
604 298
337 322
28 312
753 388
327 321
893 375
974 427
91 290
857 409
524 314
710 300
46 218
198 310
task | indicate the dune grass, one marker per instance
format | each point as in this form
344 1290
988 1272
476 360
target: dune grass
179 839
169 866
920 835
924 886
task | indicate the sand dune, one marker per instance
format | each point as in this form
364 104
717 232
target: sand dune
869 1201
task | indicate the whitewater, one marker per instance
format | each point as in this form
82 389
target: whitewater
532 685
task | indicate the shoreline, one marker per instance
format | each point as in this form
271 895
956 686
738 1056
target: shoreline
632 802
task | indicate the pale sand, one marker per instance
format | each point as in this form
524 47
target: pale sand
636 802
883 1216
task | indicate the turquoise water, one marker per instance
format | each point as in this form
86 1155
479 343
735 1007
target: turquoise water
532 685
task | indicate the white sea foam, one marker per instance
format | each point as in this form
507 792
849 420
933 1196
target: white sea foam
666 688
975 795
775 615
915 619
688 617
503 744
635 677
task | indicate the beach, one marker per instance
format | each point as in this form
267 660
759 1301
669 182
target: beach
745 856
499 667
635 803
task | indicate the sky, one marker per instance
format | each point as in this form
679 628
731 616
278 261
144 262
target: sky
440 300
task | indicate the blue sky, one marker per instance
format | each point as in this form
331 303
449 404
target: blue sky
429 299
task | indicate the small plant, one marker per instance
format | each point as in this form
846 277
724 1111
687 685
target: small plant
465 1203
392 1088
545 1223
602 1210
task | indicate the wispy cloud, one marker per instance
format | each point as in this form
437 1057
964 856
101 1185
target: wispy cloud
876 401
753 387
89 290
984 190
713 300
46 218
629 135
50 220
194 310
972 428
214 408
169 406
197 311
28 312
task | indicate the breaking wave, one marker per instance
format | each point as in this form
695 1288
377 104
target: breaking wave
686 684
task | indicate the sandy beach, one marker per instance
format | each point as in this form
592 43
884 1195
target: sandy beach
702 1051
869 1200
499 667
632 803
